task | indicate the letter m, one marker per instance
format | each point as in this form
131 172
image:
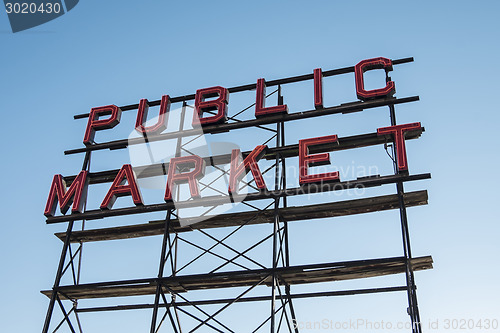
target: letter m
75 195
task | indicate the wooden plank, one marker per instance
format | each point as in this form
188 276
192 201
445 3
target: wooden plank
333 209
292 275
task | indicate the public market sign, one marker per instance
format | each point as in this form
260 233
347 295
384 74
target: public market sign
211 112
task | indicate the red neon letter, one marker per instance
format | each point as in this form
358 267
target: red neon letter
366 65
398 132
119 189
191 177
318 89
219 104
260 102
240 169
76 194
306 160
96 124
142 115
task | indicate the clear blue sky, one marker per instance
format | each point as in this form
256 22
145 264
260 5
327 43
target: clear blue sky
116 52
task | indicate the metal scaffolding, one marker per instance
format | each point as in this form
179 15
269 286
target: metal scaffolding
169 287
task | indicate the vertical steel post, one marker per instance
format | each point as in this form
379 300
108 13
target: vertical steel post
166 240
276 224
161 270
62 259
285 223
410 281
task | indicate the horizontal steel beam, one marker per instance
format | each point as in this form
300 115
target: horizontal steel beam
247 299
348 142
211 129
252 86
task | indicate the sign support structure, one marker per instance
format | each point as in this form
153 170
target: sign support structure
413 311
254 281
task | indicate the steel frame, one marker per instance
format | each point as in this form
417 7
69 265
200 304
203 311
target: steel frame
282 314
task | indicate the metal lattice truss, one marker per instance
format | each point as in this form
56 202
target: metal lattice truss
237 270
